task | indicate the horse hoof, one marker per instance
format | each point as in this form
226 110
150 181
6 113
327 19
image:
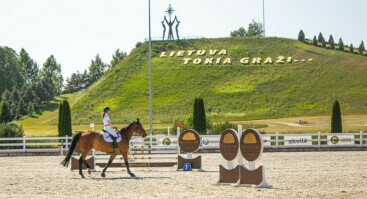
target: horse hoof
89 172
103 175
132 175
83 177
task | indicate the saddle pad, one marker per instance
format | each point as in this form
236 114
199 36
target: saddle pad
107 137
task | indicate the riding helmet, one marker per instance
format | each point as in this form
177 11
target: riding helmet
106 108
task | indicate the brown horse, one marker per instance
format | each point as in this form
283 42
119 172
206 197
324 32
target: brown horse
92 140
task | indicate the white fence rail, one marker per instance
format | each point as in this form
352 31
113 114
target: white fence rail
209 142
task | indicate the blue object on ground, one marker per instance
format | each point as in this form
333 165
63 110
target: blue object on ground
186 167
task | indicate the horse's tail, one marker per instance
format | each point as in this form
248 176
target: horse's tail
74 142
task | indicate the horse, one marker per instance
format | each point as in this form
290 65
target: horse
93 140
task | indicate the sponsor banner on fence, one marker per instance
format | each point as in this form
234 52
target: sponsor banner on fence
298 140
340 139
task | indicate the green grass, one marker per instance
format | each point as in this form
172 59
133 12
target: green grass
231 92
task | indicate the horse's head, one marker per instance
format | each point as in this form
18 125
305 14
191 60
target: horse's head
138 128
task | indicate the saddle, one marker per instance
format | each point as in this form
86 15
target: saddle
108 137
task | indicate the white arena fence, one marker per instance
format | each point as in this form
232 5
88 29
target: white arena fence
156 145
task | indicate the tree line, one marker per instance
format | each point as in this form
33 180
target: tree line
81 80
25 87
321 41
255 29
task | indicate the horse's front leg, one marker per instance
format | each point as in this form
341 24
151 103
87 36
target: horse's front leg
112 157
126 160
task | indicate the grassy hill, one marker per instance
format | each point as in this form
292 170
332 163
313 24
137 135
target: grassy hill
232 91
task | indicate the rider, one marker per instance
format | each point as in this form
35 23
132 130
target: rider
108 127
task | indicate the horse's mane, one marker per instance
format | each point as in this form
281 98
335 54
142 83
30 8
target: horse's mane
123 134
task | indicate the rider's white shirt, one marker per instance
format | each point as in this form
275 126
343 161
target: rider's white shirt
107 127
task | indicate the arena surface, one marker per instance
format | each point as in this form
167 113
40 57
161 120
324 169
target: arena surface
293 175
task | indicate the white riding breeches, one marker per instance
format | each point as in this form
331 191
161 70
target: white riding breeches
111 131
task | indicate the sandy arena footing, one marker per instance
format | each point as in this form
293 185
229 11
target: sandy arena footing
293 175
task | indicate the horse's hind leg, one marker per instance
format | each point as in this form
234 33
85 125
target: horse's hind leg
108 164
86 164
81 166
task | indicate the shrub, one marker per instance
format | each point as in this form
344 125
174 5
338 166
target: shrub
187 123
10 131
220 127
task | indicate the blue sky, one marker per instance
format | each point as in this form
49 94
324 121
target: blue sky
76 30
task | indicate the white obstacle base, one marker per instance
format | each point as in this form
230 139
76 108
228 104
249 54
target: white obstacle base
251 165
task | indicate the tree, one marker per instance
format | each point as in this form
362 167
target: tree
7 98
64 124
361 48
10 71
199 117
22 107
301 36
138 44
74 83
61 123
67 112
195 114
323 43
331 42
52 70
255 29
28 66
351 48
241 32
5 115
14 105
336 119
117 57
96 69
341 45
314 41
320 38
45 90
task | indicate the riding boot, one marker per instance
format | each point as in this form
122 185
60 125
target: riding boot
114 143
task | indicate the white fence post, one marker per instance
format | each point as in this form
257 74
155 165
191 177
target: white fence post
239 134
318 139
62 148
178 135
24 148
360 138
66 142
276 139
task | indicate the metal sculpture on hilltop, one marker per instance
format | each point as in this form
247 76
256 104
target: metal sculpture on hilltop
170 23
